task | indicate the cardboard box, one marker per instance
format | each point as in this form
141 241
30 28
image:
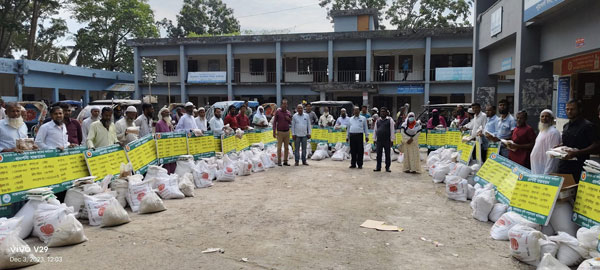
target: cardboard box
569 187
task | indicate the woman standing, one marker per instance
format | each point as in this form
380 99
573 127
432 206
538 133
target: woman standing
410 130
164 125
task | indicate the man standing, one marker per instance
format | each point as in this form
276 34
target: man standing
364 112
301 131
461 114
248 109
85 126
374 117
144 121
53 134
230 118
164 124
186 122
102 133
580 134
523 139
405 68
343 120
357 128
504 127
242 119
124 134
548 138
73 127
12 128
384 137
490 127
201 121
2 109
326 119
479 120
281 131
311 115
216 123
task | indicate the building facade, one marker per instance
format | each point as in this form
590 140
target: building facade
549 49
355 63
29 80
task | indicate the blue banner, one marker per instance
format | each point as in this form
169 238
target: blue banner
564 90
411 89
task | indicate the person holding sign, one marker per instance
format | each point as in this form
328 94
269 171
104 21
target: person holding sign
281 130
85 126
242 119
504 127
580 134
384 136
53 135
216 123
343 120
103 132
126 130
164 124
490 127
410 130
436 120
523 139
301 131
186 122
548 137
230 119
326 119
201 121
144 121
354 134
12 128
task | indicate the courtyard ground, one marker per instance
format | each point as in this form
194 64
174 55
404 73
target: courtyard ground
298 218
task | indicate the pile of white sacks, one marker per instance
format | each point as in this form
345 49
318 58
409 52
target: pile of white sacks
560 245
341 152
103 203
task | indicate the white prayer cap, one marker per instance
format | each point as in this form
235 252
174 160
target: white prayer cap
164 109
94 108
547 111
131 109
201 109
189 104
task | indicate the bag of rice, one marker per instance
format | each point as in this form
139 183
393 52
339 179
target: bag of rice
26 212
12 246
570 253
137 191
548 262
257 165
114 214
244 167
56 225
151 203
95 206
482 204
457 189
508 220
186 185
498 210
524 244
590 264
168 188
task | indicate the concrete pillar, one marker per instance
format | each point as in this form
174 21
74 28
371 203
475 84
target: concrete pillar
182 73
322 96
86 98
19 79
330 60
278 72
394 107
229 72
427 68
55 95
137 94
369 55
365 98
480 60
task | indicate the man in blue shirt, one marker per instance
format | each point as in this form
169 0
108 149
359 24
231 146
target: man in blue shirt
301 130
490 127
364 113
505 125
357 129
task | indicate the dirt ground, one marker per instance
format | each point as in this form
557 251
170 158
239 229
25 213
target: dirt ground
298 218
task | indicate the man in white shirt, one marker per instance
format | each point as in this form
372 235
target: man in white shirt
201 121
548 138
53 135
12 128
216 123
144 121
343 120
326 119
85 126
357 129
186 122
478 122
301 131
125 133
2 110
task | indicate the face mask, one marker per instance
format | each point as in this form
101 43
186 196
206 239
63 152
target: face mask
411 119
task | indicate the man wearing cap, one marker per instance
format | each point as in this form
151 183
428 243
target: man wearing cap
85 126
201 121
548 138
326 119
165 123
125 128
144 121
343 120
374 117
186 122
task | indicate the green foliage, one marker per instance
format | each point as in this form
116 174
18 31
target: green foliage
193 35
200 18
109 23
405 14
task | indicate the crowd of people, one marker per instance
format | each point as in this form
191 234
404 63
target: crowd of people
518 141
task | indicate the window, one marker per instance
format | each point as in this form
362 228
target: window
170 67
192 65
290 64
257 66
305 66
214 65
408 65
460 60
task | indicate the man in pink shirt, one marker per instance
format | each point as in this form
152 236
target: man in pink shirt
281 130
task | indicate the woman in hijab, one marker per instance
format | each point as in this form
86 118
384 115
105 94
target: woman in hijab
260 119
436 119
410 142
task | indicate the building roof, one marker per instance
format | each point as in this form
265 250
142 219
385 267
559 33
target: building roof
356 35
353 12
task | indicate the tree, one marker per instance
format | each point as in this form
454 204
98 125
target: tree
405 14
330 5
12 15
39 9
202 17
109 23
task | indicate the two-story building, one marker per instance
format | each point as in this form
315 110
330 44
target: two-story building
550 49
355 63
